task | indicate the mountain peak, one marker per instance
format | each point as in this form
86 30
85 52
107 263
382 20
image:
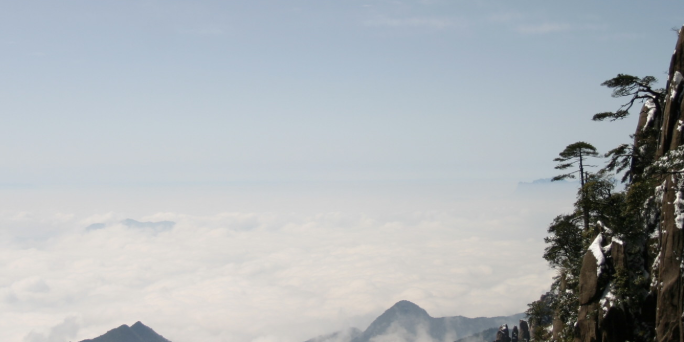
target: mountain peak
413 323
146 333
138 332
138 324
405 307
403 313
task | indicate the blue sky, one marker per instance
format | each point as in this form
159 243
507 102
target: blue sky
178 91
321 159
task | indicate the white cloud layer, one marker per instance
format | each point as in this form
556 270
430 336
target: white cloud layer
278 276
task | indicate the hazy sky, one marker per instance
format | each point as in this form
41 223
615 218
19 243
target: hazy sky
321 159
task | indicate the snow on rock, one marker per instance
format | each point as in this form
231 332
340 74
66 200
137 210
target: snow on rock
596 250
673 159
604 228
679 208
651 112
654 270
676 80
679 203
607 299
650 210
660 192
606 249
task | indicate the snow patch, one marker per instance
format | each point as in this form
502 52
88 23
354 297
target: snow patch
650 104
607 299
679 204
676 80
595 249
679 209
655 234
604 228
660 192
654 269
606 249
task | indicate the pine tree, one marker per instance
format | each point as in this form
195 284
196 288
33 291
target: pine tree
635 87
576 154
564 244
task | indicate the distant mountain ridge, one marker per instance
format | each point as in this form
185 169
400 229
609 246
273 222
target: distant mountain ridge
483 336
406 322
403 322
138 332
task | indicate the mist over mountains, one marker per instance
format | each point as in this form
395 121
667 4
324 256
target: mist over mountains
403 322
406 321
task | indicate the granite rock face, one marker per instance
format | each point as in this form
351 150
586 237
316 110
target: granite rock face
668 275
587 320
601 317
669 272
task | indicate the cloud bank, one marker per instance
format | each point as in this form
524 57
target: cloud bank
258 276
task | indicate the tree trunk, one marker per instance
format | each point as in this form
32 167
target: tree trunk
583 193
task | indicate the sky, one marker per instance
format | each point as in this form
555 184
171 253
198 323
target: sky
320 160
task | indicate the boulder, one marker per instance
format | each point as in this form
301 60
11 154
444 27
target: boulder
514 334
588 280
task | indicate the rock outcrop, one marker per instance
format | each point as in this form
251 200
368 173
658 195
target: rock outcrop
524 331
587 318
502 334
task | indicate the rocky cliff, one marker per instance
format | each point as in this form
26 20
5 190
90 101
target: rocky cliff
668 272
614 303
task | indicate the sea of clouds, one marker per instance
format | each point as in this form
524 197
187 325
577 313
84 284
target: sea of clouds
271 274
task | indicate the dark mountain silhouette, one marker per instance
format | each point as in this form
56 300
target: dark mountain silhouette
138 332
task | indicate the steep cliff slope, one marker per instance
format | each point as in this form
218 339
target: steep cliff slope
629 284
